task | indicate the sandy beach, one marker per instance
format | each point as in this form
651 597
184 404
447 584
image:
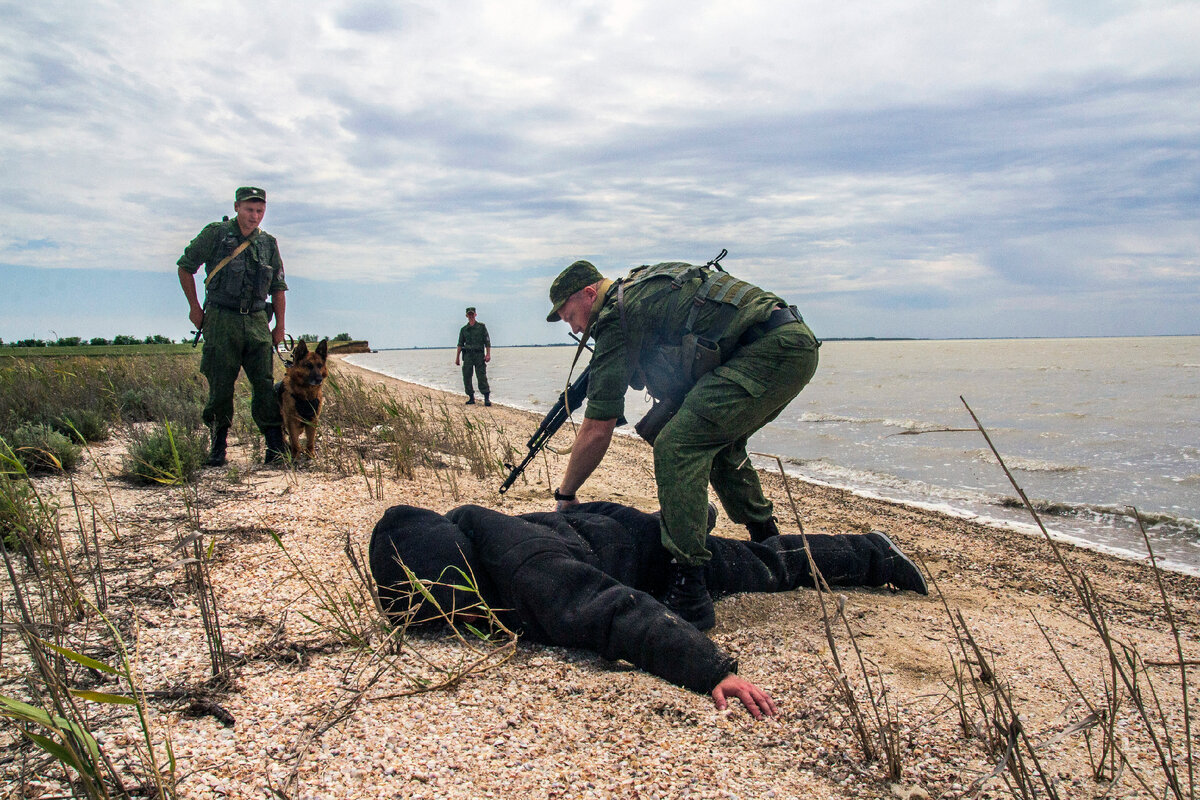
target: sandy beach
314 717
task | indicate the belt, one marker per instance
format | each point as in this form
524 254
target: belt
780 316
250 308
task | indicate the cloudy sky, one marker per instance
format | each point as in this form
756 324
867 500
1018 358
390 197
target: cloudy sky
931 169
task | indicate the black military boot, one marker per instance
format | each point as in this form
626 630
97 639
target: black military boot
274 438
470 400
688 596
487 401
216 453
761 531
898 568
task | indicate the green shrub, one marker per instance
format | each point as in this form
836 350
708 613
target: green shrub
41 448
136 404
147 403
23 517
14 501
82 425
166 454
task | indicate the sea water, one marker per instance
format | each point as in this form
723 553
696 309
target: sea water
1088 428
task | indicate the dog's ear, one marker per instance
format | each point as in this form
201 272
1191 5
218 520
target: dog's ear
323 348
301 350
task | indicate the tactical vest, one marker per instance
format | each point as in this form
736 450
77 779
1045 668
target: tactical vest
676 364
245 281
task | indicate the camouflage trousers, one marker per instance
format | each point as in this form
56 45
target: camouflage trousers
472 360
705 442
232 342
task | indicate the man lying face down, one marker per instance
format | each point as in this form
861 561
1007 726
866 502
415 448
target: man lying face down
590 578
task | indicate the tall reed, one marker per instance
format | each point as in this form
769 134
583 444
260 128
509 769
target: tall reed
1127 670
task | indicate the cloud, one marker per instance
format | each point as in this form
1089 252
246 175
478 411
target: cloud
929 156
373 17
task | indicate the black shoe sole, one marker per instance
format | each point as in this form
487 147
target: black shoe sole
897 553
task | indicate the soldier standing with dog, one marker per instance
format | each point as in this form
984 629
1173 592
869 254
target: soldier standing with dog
722 358
242 267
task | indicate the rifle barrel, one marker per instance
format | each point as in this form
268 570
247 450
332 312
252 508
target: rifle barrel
570 399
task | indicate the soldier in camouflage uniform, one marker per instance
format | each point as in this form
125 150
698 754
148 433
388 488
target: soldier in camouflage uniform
728 355
235 318
474 352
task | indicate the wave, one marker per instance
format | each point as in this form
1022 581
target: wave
1160 522
1024 464
905 425
809 416
1106 529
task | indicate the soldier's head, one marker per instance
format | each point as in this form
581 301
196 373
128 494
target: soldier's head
573 293
471 314
250 204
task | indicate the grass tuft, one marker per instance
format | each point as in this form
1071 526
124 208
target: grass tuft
165 454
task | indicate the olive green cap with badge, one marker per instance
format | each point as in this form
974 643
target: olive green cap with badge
470 309
249 193
579 275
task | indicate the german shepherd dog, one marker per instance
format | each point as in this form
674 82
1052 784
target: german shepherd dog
299 395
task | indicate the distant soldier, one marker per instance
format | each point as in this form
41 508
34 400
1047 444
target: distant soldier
242 267
473 353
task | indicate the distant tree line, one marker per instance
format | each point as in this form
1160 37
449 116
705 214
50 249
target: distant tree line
312 337
98 341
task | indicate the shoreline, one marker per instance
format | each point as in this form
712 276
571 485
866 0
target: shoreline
1024 528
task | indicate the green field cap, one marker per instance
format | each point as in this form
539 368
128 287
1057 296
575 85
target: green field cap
470 309
249 193
575 277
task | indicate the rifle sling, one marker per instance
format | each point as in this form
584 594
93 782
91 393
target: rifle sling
236 252
605 285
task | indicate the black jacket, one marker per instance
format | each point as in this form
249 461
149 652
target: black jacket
589 578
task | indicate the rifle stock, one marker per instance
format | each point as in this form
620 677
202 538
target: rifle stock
567 401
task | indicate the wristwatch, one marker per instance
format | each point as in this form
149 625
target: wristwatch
563 497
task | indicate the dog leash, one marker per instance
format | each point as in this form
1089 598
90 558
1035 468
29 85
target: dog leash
289 344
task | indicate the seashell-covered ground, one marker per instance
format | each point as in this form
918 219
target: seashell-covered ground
307 711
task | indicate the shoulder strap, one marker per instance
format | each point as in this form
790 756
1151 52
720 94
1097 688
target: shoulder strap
605 285
719 287
236 252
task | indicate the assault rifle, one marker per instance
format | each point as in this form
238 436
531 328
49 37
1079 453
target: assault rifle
567 401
